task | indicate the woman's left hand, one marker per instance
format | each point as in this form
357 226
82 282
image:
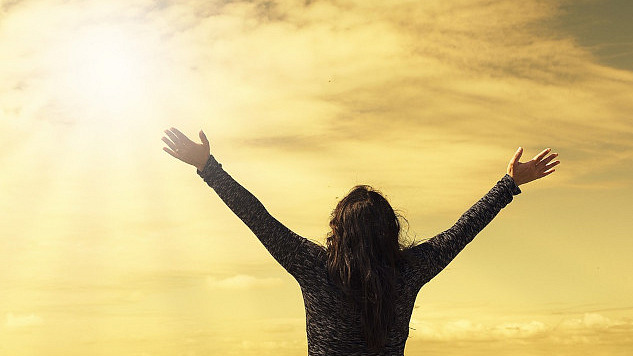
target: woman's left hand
181 147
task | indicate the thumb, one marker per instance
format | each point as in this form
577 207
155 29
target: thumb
517 155
203 138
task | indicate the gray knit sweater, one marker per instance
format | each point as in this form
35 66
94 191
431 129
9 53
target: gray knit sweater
332 325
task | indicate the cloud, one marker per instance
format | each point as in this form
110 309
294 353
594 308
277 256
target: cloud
283 326
272 345
590 328
475 71
588 321
520 330
18 321
327 76
242 281
464 329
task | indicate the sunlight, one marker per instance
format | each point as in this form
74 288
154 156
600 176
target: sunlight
106 70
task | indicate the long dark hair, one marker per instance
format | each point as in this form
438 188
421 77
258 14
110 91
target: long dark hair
363 252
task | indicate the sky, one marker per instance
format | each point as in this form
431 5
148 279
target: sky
111 246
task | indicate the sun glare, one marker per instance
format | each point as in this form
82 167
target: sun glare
106 70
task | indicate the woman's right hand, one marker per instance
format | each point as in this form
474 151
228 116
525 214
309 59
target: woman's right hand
537 167
182 148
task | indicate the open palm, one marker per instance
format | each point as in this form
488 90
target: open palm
182 148
537 167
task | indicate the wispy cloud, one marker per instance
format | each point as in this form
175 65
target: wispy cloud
17 321
242 281
464 329
589 328
329 76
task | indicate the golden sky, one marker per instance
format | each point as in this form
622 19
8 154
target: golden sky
112 247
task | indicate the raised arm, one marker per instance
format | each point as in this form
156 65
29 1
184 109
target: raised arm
283 244
433 255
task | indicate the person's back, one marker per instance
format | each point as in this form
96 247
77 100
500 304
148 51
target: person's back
333 322
360 289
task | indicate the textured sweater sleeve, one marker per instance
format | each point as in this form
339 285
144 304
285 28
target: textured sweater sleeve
283 244
433 255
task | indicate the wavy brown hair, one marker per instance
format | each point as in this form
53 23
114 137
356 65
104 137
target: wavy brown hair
363 252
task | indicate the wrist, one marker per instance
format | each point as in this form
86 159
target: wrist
516 181
201 164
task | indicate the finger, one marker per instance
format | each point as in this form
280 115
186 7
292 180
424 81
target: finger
548 172
549 166
541 155
203 138
547 159
180 135
517 155
169 143
173 137
170 152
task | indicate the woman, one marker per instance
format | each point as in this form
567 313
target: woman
359 290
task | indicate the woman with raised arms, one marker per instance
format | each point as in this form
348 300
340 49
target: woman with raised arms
359 289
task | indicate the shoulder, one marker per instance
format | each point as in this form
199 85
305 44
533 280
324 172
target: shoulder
310 258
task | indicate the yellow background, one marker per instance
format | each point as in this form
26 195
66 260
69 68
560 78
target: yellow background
109 246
